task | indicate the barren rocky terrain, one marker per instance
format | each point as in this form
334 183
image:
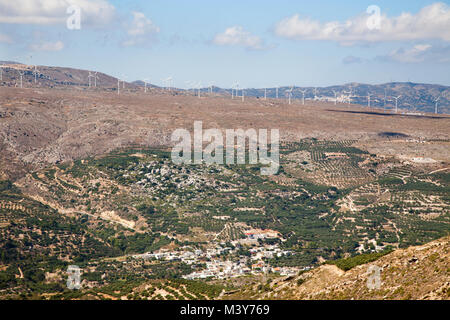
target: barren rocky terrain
416 273
85 177
40 126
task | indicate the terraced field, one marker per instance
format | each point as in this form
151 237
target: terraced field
97 212
333 163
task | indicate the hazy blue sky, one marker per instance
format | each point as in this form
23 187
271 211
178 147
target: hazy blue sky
256 42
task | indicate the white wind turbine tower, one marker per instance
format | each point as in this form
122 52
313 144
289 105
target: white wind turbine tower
145 85
21 73
199 87
167 83
35 70
349 93
396 103
368 99
277 92
89 77
315 94
265 93
243 95
118 86
290 93
124 77
1 73
170 82
335 97
211 89
95 79
35 74
303 95
436 104
234 90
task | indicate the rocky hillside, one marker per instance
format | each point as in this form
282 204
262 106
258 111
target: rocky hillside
421 272
51 77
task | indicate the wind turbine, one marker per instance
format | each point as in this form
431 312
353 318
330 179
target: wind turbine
35 69
335 97
368 99
21 73
277 93
89 77
124 77
145 85
118 85
265 93
396 103
349 93
170 82
95 79
234 90
35 74
1 73
199 86
436 105
290 93
211 85
303 95
243 95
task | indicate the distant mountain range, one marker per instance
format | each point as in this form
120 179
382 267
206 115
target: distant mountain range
414 97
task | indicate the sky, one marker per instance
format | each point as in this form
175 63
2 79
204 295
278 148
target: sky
256 43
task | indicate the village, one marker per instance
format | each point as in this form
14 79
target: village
237 258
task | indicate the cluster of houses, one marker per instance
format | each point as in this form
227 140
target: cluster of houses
228 269
219 267
268 252
256 234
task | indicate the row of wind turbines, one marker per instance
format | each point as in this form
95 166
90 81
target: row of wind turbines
345 96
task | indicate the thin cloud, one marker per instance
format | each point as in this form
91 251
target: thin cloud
141 30
5 38
417 54
431 22
47 46
48 12
237 36
351 60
